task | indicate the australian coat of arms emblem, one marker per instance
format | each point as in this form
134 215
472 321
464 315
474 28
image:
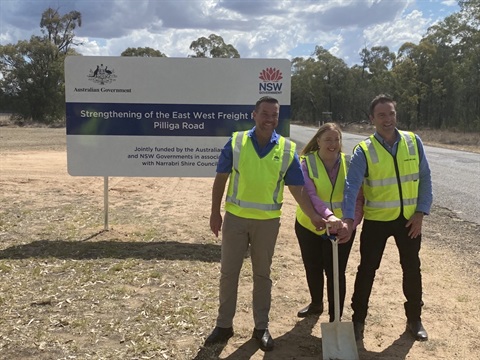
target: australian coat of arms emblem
102 75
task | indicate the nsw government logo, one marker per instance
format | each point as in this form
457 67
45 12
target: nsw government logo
102 75
271 83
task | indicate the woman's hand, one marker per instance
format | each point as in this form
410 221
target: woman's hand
334 224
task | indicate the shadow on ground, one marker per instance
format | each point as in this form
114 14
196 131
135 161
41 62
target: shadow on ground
398 350
300 343
78 250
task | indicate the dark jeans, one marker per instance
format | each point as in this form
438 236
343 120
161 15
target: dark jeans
372 244
317 257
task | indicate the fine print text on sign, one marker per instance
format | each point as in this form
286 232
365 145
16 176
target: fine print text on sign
176 156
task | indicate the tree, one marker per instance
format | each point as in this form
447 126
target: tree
33 74
412 75
214 47
318 86
142 52
457 39
59 30
305 90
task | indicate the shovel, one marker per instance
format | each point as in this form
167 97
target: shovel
338 338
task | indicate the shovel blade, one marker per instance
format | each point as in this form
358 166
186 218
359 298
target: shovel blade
338 341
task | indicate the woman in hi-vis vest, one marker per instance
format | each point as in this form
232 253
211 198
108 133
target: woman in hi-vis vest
324 169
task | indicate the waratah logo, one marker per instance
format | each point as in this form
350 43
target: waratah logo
271 81
271 74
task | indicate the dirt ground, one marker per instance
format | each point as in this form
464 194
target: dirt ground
51 228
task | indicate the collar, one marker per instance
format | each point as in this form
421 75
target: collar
382 141
337 161
274 139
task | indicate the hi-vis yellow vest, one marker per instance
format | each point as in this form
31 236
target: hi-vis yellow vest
391 187
330 194
255 189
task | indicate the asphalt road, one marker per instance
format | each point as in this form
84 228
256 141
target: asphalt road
455 174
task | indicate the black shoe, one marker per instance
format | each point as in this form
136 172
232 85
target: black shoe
417 330
311 309
264 339
358 329
219 335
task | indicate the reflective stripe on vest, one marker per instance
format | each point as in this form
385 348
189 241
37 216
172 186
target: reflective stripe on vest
263 209
392 183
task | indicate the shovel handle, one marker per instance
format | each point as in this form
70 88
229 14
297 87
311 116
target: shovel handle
330 237
336 285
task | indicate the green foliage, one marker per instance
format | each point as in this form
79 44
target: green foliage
59 30
142 52
33 75
214 46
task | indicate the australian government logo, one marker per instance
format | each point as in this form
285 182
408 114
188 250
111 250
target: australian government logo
271 83
102 75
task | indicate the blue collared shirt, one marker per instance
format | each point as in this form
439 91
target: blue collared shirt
358 169
293 176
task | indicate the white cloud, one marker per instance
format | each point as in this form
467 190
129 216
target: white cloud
410 29
450 2
260 28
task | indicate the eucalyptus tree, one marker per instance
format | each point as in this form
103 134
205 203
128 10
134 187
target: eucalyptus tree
377 63
414 76
457 60
214 46
359 95
469 45
306 90
333 74
321 88
59 29
32 71
142 52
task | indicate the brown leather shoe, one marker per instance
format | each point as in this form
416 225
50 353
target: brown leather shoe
219 335
417 330
311 309
264 339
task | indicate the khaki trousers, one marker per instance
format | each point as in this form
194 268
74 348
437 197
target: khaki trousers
237 234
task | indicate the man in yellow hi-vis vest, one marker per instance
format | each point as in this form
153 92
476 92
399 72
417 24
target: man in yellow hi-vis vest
259 163
392 167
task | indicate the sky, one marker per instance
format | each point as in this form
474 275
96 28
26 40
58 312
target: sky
256 28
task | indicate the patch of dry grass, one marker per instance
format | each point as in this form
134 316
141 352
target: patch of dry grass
67 285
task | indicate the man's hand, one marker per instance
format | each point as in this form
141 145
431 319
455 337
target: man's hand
217 194
346 233
415 224
216 223
343 235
